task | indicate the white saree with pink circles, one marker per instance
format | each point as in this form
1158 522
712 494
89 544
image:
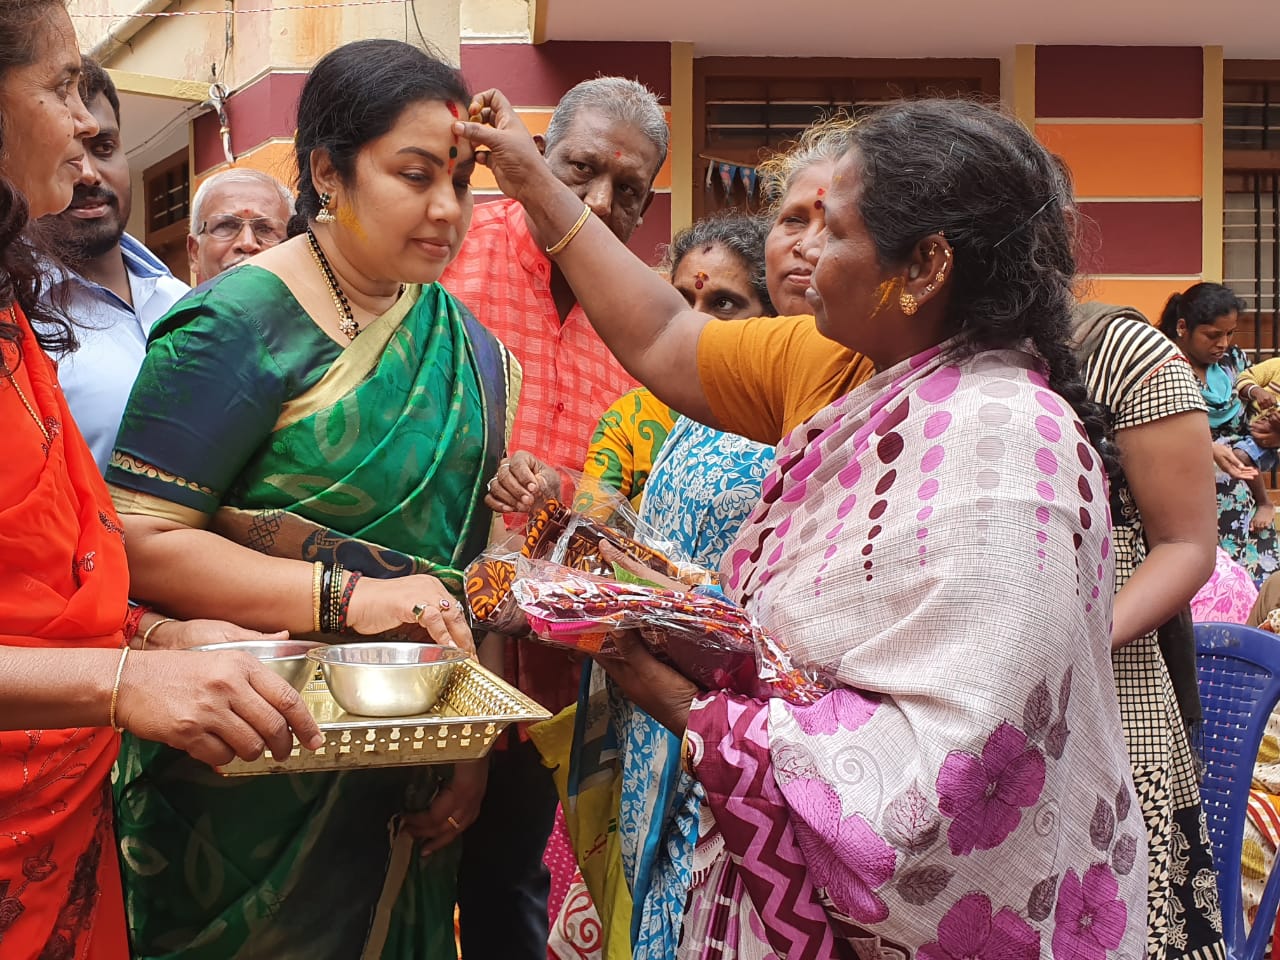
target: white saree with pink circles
938 541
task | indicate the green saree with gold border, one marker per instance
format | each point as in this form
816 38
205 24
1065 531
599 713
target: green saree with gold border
248 420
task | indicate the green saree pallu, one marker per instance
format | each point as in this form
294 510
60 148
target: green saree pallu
248 420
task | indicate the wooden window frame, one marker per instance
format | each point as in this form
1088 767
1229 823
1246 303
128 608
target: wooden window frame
985 71
1250 71
168 242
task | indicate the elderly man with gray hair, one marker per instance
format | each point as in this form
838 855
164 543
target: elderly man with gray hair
235 214
607 141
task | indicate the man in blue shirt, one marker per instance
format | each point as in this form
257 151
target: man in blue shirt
113 288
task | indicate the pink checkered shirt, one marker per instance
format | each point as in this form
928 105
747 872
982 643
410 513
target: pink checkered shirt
570 377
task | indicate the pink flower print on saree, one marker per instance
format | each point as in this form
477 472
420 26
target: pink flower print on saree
1090 919
969 931
845 856
841 707
985 795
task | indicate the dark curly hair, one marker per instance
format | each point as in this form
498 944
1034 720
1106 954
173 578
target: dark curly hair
23 27
95 80
740 234
355 94
1199 304
979 177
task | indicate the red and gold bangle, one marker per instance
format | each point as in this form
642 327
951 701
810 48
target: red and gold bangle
344 605
133 619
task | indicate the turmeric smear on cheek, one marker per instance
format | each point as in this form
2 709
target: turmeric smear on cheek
347 218
885 294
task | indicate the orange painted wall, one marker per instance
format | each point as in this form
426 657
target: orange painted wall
1146 294
1133 143
1130 159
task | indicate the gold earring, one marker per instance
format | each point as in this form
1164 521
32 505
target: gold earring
933 248
325 215
908 304
940 277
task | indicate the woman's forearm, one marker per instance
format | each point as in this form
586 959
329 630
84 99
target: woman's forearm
49 689
192 573
1162 585
642 319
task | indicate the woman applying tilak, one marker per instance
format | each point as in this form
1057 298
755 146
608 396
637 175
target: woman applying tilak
936 540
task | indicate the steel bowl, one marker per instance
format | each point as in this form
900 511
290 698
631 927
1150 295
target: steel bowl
285 657
377 679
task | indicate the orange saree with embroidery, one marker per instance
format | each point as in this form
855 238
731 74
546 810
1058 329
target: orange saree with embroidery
63 583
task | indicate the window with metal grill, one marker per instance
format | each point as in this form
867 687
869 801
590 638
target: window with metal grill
1251 255
746 109
167 188
1251 115
1251 184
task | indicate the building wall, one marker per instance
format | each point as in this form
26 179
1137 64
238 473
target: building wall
1140 127
495 21
262 114
1129 122
207 43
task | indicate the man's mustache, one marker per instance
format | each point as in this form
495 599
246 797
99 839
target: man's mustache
86 196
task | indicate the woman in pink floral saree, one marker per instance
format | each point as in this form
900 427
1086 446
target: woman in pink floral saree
936 540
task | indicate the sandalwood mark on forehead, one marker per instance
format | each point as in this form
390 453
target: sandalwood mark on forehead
699 279
453 151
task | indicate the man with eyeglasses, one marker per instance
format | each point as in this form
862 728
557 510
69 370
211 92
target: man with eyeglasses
235 214
109 284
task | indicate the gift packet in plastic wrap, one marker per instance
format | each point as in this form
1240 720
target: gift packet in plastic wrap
706 637
571 538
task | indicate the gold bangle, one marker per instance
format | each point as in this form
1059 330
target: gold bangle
146 634
316 600
115 690
686 754
573 232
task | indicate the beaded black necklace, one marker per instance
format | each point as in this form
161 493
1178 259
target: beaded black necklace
346 319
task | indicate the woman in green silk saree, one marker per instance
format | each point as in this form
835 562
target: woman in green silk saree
261 438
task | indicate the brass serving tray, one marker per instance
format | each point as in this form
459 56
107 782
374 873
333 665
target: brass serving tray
474 709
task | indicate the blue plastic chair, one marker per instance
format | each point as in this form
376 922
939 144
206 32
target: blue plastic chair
1239 672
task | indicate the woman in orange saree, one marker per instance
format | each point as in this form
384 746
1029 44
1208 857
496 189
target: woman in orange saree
66 690
66 585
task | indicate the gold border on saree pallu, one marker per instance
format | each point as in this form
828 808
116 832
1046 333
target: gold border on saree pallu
149 505
474 709
353 367
515 383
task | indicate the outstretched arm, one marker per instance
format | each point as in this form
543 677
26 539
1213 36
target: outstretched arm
641 318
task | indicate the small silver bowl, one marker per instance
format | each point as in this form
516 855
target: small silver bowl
379 679
285 657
